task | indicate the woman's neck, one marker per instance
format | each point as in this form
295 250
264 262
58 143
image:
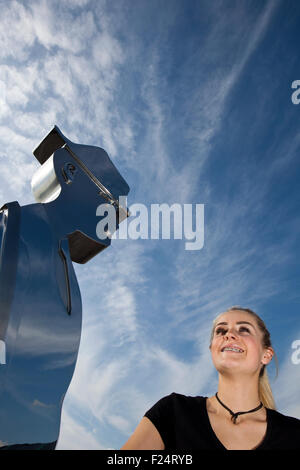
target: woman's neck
238 394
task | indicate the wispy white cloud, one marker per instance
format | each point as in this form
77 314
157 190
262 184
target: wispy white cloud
51 31
16 41
74 436
72 86
202 107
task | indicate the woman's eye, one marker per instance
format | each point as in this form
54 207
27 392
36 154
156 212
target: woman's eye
220 331
244 328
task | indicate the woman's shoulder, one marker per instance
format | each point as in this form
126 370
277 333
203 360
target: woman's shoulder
175 397
176 404
181 396
284 420
181 399
283 431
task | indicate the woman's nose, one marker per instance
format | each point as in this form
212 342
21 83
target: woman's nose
231 333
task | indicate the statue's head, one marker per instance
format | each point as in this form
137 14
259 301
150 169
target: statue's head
72 182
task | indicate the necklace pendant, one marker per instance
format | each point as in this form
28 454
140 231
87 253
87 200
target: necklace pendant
234 416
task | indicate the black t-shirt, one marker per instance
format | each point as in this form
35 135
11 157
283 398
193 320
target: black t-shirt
183 424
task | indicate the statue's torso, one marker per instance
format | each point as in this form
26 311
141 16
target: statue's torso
41 338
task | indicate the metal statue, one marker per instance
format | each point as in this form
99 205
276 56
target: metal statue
40 302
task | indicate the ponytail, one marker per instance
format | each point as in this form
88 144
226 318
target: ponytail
265 391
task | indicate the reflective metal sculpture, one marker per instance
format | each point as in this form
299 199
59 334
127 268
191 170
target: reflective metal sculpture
40 302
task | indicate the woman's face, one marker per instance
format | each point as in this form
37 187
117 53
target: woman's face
237 344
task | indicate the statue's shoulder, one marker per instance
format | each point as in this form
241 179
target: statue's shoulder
9 208
9 225
9 214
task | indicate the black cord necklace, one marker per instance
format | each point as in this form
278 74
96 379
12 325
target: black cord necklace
235 415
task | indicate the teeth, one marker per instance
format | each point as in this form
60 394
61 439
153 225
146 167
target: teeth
233 349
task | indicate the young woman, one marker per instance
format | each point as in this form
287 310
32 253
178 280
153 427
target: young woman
241 415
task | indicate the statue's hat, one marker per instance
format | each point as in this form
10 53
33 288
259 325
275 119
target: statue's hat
94 160
97 165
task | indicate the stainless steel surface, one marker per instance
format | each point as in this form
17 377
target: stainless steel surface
44 183
40 301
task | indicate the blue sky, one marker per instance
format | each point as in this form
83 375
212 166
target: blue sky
192 101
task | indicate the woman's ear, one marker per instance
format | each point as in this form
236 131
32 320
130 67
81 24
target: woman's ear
267 355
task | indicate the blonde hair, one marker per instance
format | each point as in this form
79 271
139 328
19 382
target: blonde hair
264 388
